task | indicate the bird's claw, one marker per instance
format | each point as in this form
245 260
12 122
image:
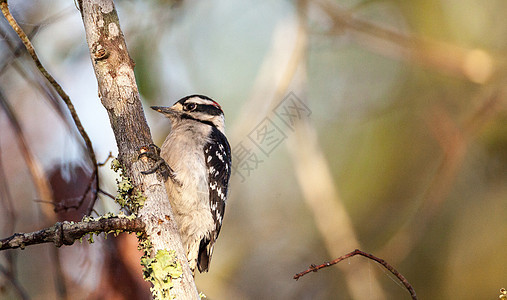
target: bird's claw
153 152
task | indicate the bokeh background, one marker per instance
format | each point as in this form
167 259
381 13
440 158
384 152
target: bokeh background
378 125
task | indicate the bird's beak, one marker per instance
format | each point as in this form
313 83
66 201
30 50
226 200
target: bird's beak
167 111
163 109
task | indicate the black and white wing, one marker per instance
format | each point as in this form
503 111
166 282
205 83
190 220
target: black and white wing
217 154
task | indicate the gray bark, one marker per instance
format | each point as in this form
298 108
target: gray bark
118 92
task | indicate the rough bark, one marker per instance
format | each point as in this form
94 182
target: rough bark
66 233
118 92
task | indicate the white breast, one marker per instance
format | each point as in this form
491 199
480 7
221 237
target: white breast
183 152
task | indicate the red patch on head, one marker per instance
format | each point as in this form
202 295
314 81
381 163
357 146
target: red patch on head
216 105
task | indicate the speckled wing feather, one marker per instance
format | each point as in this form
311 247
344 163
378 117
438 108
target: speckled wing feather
217 154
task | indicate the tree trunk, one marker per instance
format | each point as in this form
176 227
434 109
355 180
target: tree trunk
118 92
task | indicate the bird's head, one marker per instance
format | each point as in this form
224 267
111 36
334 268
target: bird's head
195 107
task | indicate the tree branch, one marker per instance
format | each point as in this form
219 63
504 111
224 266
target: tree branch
401 278
65 233
119 94
29 47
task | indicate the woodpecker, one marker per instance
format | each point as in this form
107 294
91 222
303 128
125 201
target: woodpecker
199 157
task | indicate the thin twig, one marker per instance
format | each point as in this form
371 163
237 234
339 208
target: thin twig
107 194
29 47
61 206
93 178
101 164
65 233
401 278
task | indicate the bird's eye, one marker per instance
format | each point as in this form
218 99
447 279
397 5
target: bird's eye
190 106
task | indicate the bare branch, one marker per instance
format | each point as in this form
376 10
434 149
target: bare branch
29 47
65 233
107 194
109 156
401 278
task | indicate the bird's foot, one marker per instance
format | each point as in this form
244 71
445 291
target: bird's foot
152 152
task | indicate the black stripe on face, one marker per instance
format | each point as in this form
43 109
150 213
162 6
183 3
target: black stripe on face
189 117
208 109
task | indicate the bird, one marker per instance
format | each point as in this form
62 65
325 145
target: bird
199 158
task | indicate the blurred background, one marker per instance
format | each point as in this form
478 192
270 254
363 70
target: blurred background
378 125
